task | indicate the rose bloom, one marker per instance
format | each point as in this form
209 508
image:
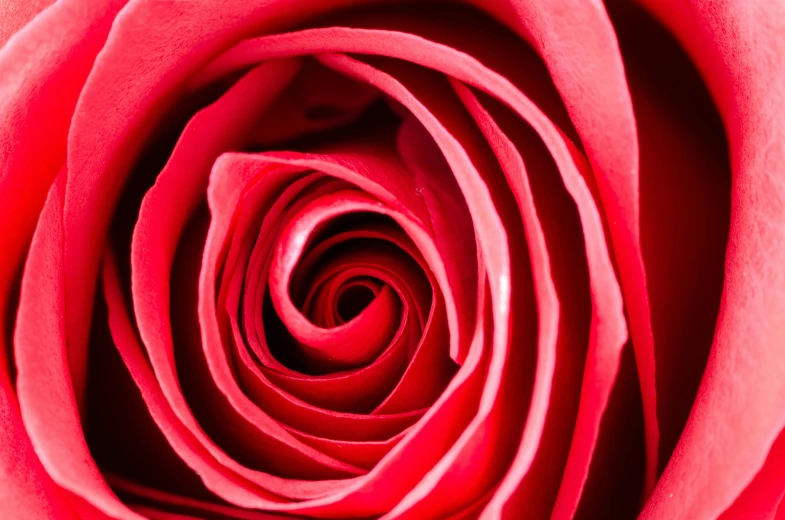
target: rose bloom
337 258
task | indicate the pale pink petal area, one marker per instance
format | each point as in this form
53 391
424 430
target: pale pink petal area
761 498
740 406
15 14
26 489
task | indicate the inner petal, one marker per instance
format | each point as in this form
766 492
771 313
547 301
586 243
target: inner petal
353 298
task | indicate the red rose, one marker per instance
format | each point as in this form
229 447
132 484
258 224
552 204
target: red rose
510 258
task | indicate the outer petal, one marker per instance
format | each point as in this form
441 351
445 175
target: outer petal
740 409
762 497
27 94
42 71
46 396
14 14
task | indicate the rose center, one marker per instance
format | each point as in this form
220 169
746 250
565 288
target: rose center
352 300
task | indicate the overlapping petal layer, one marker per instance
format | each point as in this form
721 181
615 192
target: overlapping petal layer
334 259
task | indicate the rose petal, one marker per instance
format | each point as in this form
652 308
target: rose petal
161 220
493 241
620 451
684 210
379 172
739 408
46 395
764 494
427 438
258 385
356 342
125 95
568 36
221 480
15 14
314 343
523 487
363 454
377 169
36 105
318 99
339 388
171 501
358 40
433 374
